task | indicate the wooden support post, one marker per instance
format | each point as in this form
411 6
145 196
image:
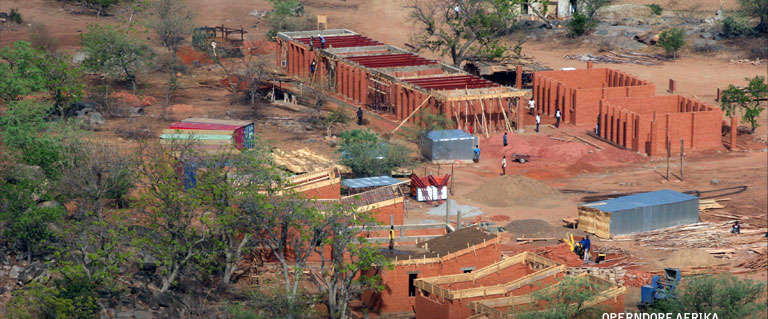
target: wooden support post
412 113
682 142
506 119
485 124
458 109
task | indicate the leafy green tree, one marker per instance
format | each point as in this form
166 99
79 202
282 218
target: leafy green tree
115 53
31 70
173 22
568 299
346 271
726 295
749 99
656 9
756 9
288 15
672 40
26 223
169 212
37 301
462 29
734 27
367 155
580 24
591 8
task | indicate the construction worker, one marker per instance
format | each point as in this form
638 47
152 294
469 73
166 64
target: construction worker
585 245
476 157
312 67
471 129
505 139
311 43
597 126
359 116
557 117
391 238
736 229
531 106
538 121
504 165
322 41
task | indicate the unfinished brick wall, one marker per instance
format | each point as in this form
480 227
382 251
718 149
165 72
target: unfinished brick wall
395 296
431 306
577 93
382 214
643 124
325 192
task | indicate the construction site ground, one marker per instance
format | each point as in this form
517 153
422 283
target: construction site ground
561 160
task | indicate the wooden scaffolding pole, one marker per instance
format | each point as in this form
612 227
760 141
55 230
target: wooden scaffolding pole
412 113
504 112
485 124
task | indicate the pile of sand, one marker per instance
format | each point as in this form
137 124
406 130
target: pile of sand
509 190
689 258
532 228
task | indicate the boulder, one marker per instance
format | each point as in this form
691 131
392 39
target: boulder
704 45
15 271
95 118
34 271
4 258
707 35
49 204
136 111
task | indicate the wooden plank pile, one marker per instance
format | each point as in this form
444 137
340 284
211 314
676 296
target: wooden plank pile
758 262
302 160
620 58
613 274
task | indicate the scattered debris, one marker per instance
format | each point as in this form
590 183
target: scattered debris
620 58
746 61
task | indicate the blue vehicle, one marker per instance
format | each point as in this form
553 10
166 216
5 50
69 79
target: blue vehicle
658 289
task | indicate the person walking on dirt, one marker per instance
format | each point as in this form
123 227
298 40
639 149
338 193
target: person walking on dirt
557 117
359 116
736 229
538 121
391 238
504 165
505 139
312 67
476 156
322 41
531 106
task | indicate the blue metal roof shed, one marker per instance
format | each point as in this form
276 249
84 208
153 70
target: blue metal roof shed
447 145
638 213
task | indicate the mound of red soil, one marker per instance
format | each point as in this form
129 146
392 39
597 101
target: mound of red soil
189 55
133 100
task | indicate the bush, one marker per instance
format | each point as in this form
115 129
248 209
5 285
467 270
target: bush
734 27
655 9
366 155
672 40
41 38
15 16
726 295
580 25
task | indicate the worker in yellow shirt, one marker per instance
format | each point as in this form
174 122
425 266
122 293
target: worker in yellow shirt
391 238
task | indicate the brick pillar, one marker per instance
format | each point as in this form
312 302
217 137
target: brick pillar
363 87
278 53
355 84
717 97
338 77
589 64
672 86
519 77
734 132
630 132
654 137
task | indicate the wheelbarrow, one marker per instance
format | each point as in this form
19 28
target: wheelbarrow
521 158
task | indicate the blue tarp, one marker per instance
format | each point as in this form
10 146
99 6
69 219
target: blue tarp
657 198
377 181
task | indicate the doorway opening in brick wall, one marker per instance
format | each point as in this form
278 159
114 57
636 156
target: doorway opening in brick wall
411 287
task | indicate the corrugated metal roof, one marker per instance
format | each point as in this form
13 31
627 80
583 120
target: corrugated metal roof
447 135
238 123
370 182
656 198
202 126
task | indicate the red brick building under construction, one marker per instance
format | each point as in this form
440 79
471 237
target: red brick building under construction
393 82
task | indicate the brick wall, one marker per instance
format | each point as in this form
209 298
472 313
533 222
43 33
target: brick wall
395 297
326 192
382 214
643 124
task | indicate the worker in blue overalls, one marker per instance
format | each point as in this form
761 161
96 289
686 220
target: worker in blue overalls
476 157
585 244
322 41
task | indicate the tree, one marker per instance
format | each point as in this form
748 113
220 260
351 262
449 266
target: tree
366 155
345 272
756 9
586 16
591 8
253 71
672 40
173 22
568 299
115 53
462 29
95 174
749 99
726 295
26 223
62 80
168 212
288 15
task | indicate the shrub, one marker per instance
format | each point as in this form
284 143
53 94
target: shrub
15 16
41 38
672 40
580 25
734 27
655 9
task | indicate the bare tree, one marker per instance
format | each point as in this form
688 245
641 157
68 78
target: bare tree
253 70
462 29
173 22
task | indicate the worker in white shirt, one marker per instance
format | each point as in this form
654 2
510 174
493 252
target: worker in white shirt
504 165
538 121
557 117
531 106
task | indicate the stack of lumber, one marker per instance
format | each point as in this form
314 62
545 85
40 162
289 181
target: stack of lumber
613 274
620 58
301 161
699 235
709 204
758 262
